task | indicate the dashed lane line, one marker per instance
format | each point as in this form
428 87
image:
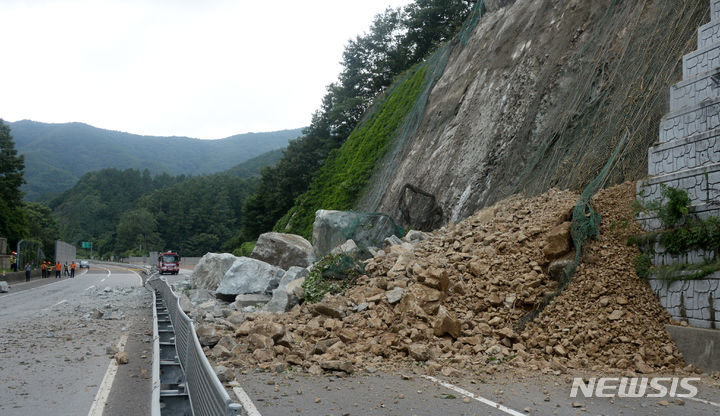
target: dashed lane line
98 405
473 396
704 401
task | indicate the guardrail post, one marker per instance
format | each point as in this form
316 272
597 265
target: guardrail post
234 409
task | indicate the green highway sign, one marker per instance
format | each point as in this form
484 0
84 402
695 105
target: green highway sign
85 244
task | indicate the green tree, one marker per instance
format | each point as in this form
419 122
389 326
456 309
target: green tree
42 226
137 229
13 223
397 39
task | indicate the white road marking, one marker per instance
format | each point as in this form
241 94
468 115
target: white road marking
704 401
103 279
246 403
98 405
59 303
474 396
89 287
138 275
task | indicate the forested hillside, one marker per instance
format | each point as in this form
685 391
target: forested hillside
130 212
56 155
397 40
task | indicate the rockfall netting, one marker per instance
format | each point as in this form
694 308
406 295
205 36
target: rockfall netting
434 67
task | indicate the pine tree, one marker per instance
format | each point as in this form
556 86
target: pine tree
13 224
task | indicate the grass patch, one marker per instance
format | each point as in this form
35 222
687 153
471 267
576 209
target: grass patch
341 180
332 274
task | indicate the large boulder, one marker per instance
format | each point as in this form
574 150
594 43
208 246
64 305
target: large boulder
557 241
210 270
283 250
248 275
333 228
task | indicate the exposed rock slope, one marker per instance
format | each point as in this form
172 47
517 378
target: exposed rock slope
539 97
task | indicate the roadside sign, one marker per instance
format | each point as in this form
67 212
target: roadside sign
85 244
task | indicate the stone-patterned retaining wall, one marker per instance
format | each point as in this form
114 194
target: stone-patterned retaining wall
687 153
688 121
695 90
687 156
697 301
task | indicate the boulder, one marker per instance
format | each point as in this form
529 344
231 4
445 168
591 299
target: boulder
333 228
251 299
295 288
349 247
557 241
210 270
199 296
445 323
248 275
293 273
281 301
556 268
207 335
414 236
283 250
4 288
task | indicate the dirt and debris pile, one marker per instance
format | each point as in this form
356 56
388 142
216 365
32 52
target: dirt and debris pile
452 302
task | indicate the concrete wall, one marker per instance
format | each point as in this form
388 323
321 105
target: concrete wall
3 246
696 301
700 347
64 252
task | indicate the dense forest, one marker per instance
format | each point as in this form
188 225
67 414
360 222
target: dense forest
398 39
131 212
57 155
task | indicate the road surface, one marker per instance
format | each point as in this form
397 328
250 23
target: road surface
55 335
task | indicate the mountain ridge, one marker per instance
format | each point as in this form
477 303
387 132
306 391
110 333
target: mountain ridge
57 154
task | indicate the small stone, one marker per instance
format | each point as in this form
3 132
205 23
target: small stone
664 403
122 357
577 405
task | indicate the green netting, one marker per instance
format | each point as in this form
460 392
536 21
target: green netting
585 224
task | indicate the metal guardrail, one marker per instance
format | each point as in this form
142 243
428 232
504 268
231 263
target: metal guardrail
207 395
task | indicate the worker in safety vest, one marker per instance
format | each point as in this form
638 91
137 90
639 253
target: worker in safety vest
13 261
72 269
58 269
43 269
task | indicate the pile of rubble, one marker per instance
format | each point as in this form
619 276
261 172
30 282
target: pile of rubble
450 301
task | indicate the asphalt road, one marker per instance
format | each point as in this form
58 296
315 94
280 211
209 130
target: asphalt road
55 333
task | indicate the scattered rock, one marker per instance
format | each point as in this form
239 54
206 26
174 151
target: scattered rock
121 357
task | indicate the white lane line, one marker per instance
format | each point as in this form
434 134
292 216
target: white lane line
704 401
138 275
103 279
246 403
475 397
98 405
57 304
89 287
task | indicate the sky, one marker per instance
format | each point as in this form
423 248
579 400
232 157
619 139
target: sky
200 68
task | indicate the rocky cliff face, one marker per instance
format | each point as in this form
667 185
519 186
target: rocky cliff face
540 96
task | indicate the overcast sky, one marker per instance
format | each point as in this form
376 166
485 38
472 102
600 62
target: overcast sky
200 68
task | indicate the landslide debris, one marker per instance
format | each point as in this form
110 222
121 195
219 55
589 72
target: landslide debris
451 303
